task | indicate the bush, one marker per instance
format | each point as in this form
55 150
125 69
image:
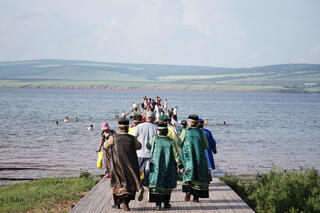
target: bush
280 191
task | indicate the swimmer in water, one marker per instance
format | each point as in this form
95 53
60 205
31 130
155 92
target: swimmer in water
90 127
66 119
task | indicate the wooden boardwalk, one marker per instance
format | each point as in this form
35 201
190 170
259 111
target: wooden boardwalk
222 199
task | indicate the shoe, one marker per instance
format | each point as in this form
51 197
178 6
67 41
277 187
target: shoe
116 206
107 176
140 197
158 207
196 199
167 205
125 207
187 197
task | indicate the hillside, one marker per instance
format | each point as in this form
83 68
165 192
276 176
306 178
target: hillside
86 74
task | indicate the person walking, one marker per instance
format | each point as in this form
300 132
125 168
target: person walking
164 159
136 119
125 178
106 133
145 131
196 177
211 145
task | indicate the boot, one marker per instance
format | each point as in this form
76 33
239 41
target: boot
158 206
187 197
140 197
116 206
196 199
167 204
125 206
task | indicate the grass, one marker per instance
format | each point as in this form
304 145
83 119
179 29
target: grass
279 191
45 194
73 84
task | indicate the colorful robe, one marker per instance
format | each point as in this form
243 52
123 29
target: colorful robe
125 177
163 165
196 177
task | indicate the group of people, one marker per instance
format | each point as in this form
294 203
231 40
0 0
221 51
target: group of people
66 120
156 153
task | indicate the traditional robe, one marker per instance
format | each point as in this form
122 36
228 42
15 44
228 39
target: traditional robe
163 168
211 148
196 177
125 177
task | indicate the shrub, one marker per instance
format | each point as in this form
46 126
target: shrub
280 191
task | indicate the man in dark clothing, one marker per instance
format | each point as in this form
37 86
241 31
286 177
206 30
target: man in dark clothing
125 178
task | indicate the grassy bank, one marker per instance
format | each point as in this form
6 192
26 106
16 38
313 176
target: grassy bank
279 191
149 85
45 195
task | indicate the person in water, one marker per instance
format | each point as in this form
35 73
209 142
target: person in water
66 119
57 123
125 177
163 171
196 177
90 127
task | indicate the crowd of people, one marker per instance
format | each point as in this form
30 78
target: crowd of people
155 151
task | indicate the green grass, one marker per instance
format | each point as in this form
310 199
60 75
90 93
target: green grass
44 194
279 191
73 84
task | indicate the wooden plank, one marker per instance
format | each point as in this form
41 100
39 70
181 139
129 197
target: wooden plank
221 199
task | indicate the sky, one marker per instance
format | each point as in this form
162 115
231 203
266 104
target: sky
218 33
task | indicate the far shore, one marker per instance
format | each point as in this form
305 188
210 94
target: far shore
165 90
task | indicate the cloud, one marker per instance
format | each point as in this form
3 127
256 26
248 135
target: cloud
193 16
315 50
114 23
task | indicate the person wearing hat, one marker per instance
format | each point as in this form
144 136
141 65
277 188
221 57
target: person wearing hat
145 131
136 119
125 177
105 134
172 132
183 125
211 145
196 177
164 159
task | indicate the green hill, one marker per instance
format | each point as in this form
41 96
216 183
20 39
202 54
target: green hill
87 74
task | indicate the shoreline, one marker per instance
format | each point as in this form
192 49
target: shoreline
167 90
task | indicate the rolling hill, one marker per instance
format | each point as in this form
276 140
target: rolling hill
87 74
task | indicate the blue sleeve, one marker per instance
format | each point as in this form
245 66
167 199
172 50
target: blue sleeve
212 142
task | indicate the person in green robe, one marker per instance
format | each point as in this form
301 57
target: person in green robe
196 176
164 159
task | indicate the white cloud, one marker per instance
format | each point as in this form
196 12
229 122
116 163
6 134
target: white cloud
114 23
315 50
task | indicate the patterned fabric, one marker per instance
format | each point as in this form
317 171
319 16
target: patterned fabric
125 177
106 161
162 178
106 153
196 174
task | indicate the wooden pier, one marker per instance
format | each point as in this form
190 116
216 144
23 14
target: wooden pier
222 199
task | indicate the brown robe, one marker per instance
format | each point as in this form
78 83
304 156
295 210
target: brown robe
125 176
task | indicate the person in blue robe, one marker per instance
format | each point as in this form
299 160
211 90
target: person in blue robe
211 145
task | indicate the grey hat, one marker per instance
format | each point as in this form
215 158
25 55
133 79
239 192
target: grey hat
150 115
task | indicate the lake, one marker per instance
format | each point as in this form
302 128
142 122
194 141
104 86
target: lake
262 129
